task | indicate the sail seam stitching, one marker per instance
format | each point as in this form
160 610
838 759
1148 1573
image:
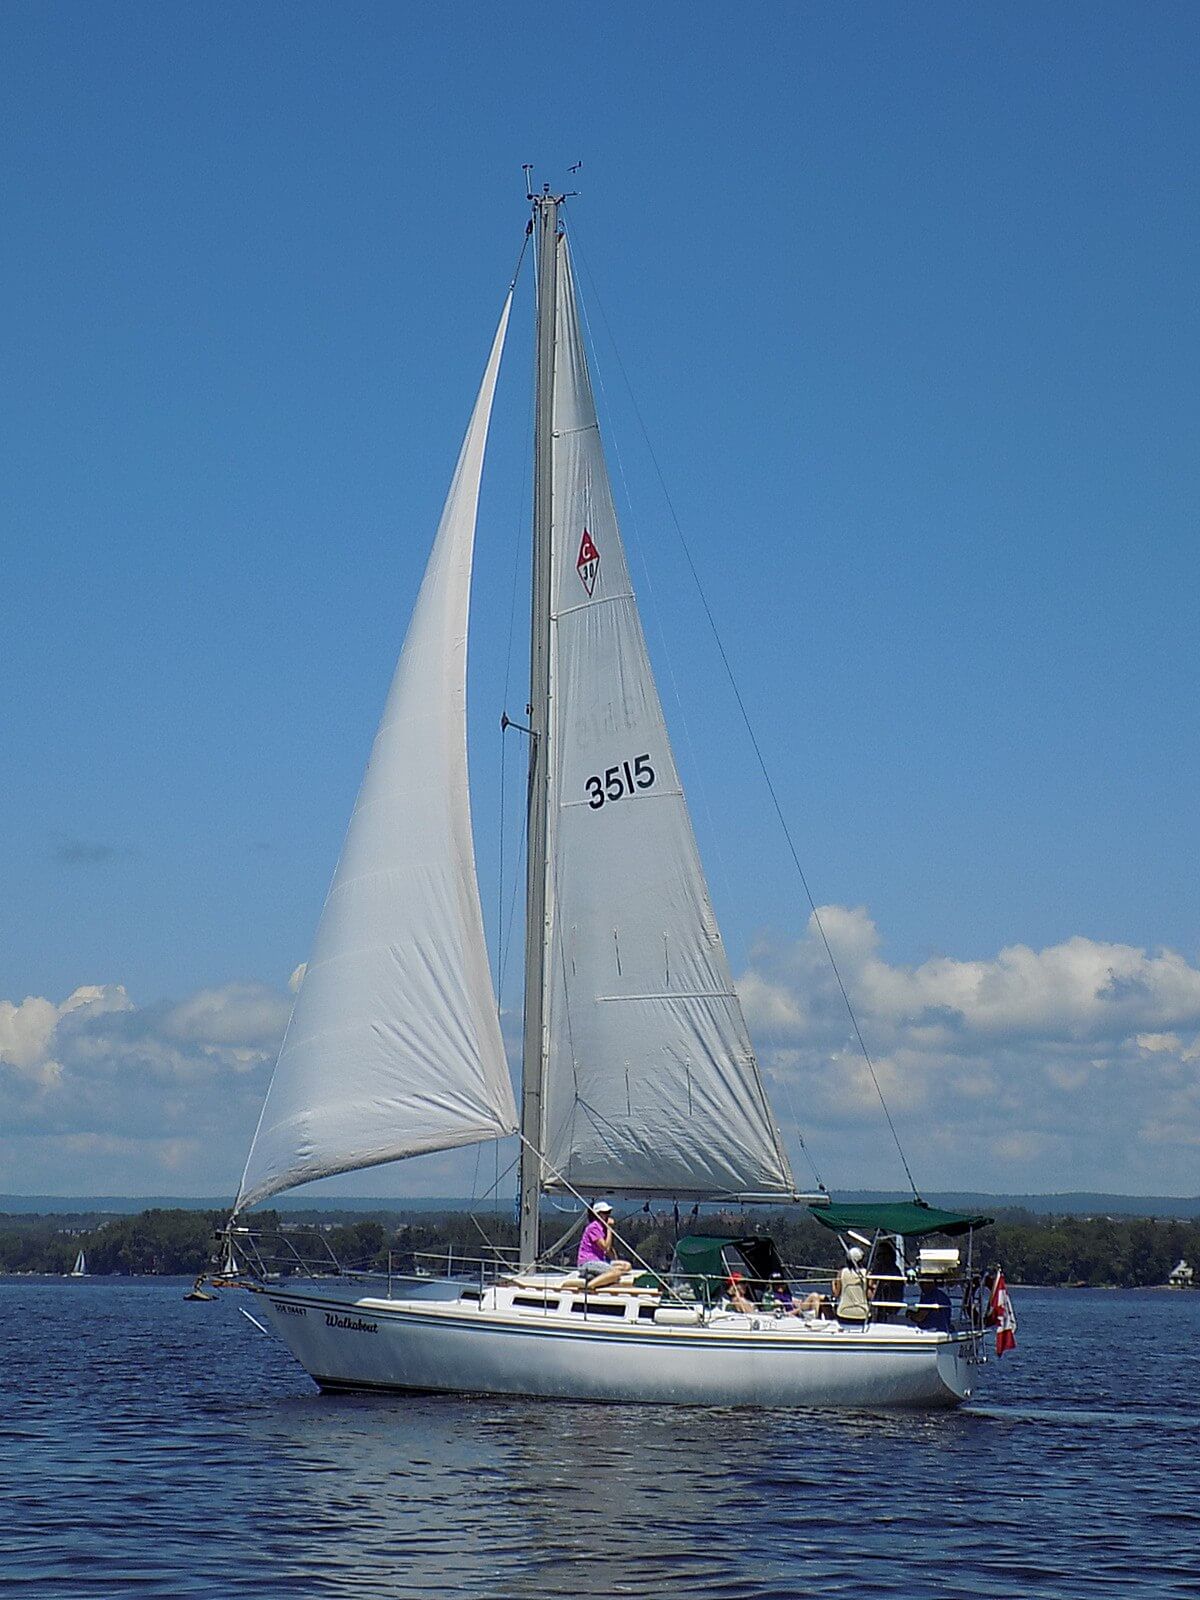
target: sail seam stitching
587 605
676 994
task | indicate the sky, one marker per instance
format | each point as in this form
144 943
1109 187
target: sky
904 297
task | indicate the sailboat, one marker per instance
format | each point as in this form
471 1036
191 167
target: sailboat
638 1075
79 1270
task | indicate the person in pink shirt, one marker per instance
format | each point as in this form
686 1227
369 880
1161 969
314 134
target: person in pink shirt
594 1259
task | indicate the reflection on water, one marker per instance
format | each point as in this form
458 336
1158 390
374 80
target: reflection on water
166 1448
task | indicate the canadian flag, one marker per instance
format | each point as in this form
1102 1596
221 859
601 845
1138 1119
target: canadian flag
1001 1315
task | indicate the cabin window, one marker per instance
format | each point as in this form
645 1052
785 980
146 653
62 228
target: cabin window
597 1308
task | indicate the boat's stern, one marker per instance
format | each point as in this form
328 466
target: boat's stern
957 1364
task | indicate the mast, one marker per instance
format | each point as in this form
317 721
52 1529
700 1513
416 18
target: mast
537 931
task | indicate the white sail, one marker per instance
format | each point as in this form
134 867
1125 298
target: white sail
651 1082
394 1046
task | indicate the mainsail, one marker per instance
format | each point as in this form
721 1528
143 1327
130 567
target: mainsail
394 1046
651 1085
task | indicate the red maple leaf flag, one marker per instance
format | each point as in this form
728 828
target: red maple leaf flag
1002 1316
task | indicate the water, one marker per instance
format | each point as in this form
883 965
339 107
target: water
153 1447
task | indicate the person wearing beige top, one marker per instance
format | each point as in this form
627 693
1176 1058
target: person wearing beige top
850 1286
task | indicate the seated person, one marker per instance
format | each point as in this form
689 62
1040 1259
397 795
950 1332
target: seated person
594 1259
814 1304
733 1294
850 1290
781 1292
933 1310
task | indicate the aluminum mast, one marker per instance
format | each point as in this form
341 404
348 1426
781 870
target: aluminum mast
537 927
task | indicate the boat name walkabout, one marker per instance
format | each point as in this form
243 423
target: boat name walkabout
355 1324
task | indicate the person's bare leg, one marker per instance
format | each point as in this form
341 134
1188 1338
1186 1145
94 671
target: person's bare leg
611 1275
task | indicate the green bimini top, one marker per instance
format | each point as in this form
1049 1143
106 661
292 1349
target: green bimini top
911 1218
700 1257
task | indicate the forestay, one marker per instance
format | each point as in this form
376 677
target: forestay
651 1082
394 1046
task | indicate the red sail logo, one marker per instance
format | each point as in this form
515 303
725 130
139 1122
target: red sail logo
588 563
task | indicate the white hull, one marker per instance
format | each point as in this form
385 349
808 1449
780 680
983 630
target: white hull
458 1346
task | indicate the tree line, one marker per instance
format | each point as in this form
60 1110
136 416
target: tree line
1126 1252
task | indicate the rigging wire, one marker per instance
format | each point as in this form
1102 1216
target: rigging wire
492 1190
745 715
512 908
805 1151
559 1177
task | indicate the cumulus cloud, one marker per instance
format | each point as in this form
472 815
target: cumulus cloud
239 1018
28 1030
1075 1066
1071 1066
99 1093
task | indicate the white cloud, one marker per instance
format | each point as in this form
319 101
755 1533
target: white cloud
1040 1069
239 1016
27 1030
25 1033
1077 1066
1154 1043
98 1094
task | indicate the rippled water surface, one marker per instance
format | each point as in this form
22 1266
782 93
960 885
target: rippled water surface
155 1447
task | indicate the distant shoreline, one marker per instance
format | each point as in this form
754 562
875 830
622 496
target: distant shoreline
1052 1250
1076 1203
179 1278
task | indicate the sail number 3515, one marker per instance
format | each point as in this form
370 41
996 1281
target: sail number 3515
619 782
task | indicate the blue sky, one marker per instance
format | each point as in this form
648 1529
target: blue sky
906 295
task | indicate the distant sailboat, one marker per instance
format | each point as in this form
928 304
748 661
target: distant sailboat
639 1077
79 1270
227 1275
